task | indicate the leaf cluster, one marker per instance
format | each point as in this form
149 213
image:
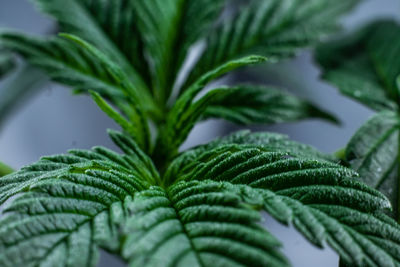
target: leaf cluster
365 67
154 205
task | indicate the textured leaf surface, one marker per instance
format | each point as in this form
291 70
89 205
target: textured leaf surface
204 209
262 105
364 66
267 140
275 29
71 205
135 163
321 199
197 224
373 152
209 216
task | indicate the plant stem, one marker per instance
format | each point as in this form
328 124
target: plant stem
4 169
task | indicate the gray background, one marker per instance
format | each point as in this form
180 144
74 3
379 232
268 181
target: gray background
54 121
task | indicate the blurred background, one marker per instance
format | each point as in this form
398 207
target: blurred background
53 120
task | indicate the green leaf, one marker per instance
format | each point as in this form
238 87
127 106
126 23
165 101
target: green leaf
5 169
186 111
364 65
205 207
117 19
169 28
18 88
209 214
127 126
139 129
102 24
78 64
133 164
70 205
197 224
7 63
373 152
323 200
269 141
63 62
250 104
275 29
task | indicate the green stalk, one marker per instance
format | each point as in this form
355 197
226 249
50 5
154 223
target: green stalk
4 169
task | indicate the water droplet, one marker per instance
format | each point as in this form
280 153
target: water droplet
357 93
286 156
379 169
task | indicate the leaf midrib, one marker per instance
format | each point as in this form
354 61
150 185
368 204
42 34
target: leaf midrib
64 239
185 232
376 146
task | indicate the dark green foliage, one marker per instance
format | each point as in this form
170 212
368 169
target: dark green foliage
156 206
169 28
195 220
365 67
249 104
73 204
133 164
87 19
320 198
149 41
186 111
275 29
197 224
374 153
267 141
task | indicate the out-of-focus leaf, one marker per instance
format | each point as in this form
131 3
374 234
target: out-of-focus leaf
169 28
365 65
274 28
186 111
5 169
102 23
18 88
7 63
262 105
